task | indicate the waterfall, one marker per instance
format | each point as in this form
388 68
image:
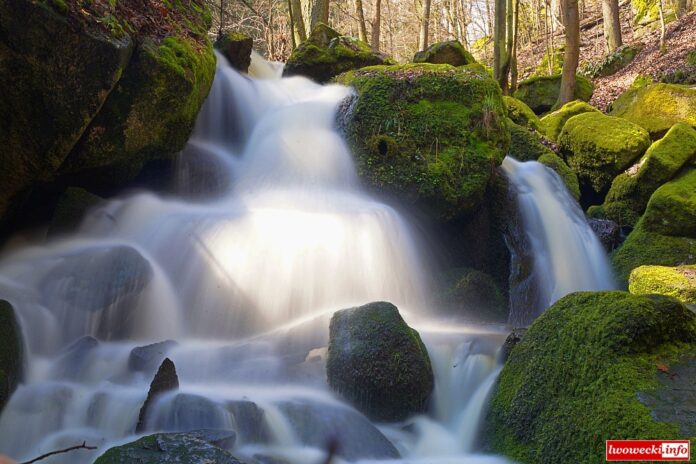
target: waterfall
234 276
557 252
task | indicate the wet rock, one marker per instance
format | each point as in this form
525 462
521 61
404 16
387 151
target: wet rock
165 380
72 206
378 363
473 293
608 232
185 411
147 358
250 420
218 437
168 448
74 357
11 352
236 47
511 341
318 424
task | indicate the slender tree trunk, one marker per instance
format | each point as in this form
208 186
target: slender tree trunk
663 45
293 30
500 68
513 57
490 19
362 31
222 18
376 25
612 24
298 21
425 25
572 50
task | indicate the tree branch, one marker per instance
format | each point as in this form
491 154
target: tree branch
72 448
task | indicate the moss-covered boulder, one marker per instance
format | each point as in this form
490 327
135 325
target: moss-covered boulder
631 190
55 75
236 47
525 143
168 448
378 363
678 282
666 234
11 352
90 87
586 371
657 107
569 178
520 113
449 52
473 294
431 134
541 93
598 147
326 54
552 123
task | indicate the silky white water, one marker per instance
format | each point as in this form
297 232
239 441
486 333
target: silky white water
567 255
268 235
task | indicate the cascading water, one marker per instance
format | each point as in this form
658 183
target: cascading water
562 253
235 285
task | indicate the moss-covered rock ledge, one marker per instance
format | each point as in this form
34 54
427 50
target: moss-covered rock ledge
431 134
591 368
89 91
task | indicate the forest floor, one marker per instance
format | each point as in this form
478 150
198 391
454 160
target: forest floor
680 38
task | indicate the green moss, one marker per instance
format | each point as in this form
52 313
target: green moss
552 123
661 162
598 147
640 81
327 54
11 352
520 113
611 63
576 377
443 129
471 293
691 58
553 60
236 47
672 208
678 282
450 52
541 93
151 113
657 107
566 174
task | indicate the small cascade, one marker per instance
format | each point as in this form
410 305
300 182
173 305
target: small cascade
234 277
556 252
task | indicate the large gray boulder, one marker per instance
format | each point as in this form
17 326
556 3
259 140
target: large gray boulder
378 363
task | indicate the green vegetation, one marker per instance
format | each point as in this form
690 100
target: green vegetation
578 376
541 93
678 282
611 63
598 147
569 178
520 113
432 134
657 107
630 191
451 52
472 293
326 54
552 123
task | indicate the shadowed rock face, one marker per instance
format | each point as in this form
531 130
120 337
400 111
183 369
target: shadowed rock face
11 352
378 363
236 47
165 380
146 358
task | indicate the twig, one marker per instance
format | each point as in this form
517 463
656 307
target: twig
72 448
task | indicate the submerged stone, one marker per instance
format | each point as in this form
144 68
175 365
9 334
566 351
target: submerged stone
378 363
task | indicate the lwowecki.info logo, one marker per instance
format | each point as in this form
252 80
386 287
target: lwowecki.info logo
648 450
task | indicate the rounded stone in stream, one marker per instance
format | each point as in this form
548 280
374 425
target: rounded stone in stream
165 380
378 363
167 448
250 420
147 358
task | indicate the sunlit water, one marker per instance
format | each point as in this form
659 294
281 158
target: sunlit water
244 280
566 256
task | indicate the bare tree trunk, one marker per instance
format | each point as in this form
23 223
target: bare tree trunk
425 25
298 21
489 17
500 68
376 25
612 24
362 31
513 57
663 45
222 18
572 50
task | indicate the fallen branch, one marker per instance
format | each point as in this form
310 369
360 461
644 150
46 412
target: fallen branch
72 448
